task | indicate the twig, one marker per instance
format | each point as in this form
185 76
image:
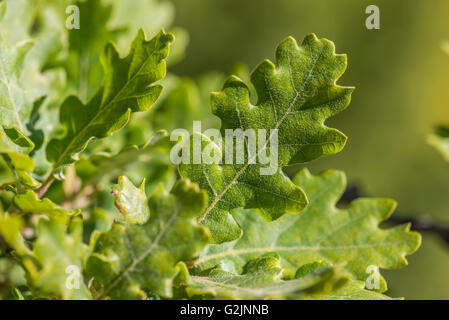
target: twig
44 187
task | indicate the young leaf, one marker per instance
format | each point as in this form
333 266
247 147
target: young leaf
131 260
29 202
57 252
322 232
22 83
295 96
56 263
132 202
128 87
261 279
20 57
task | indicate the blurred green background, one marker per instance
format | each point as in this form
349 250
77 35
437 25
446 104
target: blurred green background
401 76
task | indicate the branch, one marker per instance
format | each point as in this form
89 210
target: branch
44 187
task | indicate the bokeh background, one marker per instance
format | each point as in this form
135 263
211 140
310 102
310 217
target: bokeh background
401 75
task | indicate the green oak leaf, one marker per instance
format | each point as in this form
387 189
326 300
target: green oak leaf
295 96
131 260
128 87
57 253
98 220
16 104
21 57
132 202
15 101
349 236
85 45
16 20
22 53
262 279
11 226
353 290
55 265
29 202
103 21
15 156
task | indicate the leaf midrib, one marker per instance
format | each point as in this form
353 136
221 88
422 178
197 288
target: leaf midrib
112 101
138 260
278 124
239 252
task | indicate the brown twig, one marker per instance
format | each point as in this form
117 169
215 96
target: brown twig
44 187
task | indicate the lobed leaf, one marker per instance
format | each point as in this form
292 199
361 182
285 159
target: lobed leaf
28 201
131 260
128 87
57 260
349 236
295 96
261 279
54 264
132 202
